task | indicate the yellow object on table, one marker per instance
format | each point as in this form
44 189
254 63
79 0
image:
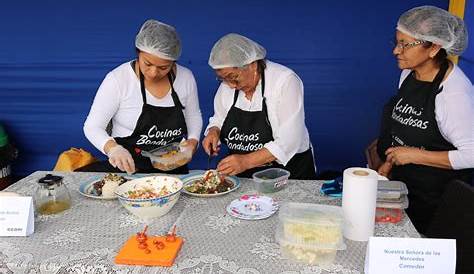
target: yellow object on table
73 158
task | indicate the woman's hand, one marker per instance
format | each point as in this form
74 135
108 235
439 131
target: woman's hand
403 155
120 158
233 164
385 169
211 141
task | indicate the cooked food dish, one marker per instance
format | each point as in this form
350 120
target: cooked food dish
172 165
313 233
147 193
106 187
211 183
171 156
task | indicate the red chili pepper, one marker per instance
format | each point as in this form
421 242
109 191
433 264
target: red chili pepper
159 245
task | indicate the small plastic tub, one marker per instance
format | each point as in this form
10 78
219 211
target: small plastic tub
170 156
388 215
307 254
310 233
271 180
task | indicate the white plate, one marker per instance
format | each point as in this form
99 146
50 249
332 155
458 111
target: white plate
87 187
252 207
192 177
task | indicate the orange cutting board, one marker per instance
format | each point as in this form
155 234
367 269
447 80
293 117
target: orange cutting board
130 254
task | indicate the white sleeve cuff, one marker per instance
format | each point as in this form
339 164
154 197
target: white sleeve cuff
211 124
194 137
102 144
277 152
461 159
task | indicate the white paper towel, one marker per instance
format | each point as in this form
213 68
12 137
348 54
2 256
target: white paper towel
359 197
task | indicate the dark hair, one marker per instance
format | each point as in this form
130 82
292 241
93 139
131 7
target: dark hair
261 65
440 57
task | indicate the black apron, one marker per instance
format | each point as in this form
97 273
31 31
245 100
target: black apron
413 123
156 127
247 131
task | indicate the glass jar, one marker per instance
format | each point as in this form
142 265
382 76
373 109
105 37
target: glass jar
52 195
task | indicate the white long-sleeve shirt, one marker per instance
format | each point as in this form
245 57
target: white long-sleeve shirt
454 112
284 98
119 100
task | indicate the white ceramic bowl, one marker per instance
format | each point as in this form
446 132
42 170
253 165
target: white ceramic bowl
149 208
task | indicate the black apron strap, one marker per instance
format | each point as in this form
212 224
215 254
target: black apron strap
174 95
440 76
264 99
236 95
142 86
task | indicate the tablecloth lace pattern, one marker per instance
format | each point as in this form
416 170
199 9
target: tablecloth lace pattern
86 238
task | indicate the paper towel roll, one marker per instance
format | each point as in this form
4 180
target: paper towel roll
359 197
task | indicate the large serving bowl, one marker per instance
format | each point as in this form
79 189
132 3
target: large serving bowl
165 193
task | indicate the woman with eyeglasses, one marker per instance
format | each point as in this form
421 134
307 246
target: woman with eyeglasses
258 112
150 101
427 133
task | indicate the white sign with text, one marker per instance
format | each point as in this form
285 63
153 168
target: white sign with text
16 216
410 255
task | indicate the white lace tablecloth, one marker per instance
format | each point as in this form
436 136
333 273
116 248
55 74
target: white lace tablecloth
86 238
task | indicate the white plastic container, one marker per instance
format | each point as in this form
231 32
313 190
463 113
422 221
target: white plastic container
271 180
170 156
310 233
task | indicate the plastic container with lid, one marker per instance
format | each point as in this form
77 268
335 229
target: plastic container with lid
170 156
388 215
391 189
271 180
401 202
310 233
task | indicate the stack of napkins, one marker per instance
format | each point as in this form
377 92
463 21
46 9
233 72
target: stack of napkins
392 194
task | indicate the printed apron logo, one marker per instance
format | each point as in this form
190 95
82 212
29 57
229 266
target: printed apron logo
157 137
400 111
241 141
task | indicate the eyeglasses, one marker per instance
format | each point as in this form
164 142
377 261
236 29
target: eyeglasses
232 79
402 46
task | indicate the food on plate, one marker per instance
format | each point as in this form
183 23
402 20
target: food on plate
106 187
147 192
211 183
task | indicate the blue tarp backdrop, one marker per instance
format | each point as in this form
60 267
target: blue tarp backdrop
54 55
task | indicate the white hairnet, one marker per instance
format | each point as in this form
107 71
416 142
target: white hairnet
435 25
234 50
159 39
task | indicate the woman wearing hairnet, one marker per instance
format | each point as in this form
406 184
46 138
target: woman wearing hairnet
151 101
258 112
427 136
